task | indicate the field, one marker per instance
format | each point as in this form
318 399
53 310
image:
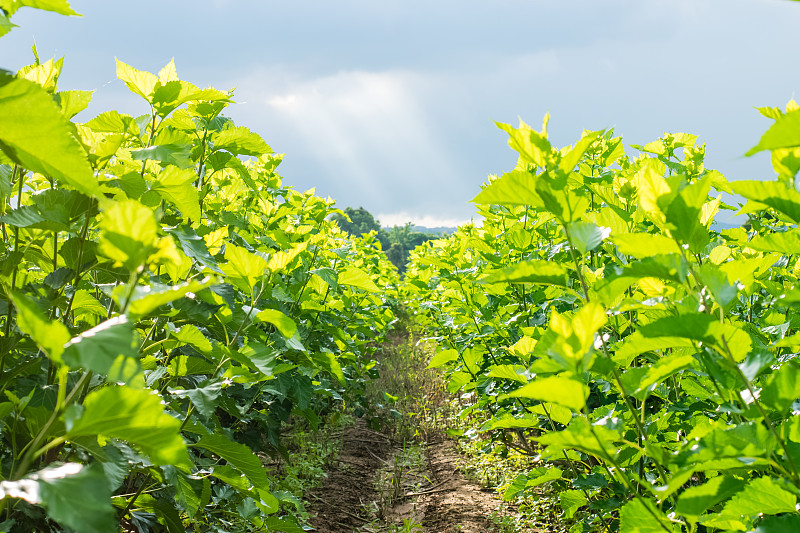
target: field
188 344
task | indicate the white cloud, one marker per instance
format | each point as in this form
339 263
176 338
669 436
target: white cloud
371 132
429 221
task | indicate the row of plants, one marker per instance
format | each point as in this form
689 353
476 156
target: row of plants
167 306
600 321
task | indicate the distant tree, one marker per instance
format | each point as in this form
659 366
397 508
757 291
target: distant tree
397 255
361 221
396 243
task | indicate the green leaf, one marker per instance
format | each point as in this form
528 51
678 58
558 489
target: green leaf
177 187
531 145
186 489
662 369
194 246
571 500
508 372
35 134
443 357
241 141
573 157
507 421
683 214
113 122
285 325
515 188
179 155
148 298
534 271
136 416
667 267
563 391
128 233
695 501
190 334
57 6
204 396
140 82
239 456
641 516
774 194
103 350
5 25
785 133
73 102
50 335
786 242
536 477
355 277
636 344
586 236
327 361
761 496
789 523
243 268
783 388
78 497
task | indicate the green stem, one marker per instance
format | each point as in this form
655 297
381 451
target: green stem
32 449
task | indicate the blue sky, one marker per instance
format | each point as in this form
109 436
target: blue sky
390 105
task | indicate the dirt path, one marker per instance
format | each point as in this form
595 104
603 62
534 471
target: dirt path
343 503
377 483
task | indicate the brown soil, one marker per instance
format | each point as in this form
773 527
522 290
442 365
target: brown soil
342 503
435 495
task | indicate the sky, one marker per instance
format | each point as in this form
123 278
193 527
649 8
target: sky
390 105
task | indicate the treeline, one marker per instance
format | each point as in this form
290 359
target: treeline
396 242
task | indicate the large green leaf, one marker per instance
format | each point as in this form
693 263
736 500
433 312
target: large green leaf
355 277
786 242
774 194
50 335
694 501
586 236
5 25
514 188
194 246
73 102
785 133
443 357
571 500
134 415
78 496
534 271
204 396
35 134
140 82
563 391
285 325
241 457
327 361
128 233
57 6
761 496
531 145
243 268
642 516
783 388
104 349
239 140
148 298
683 214
177 187
175 154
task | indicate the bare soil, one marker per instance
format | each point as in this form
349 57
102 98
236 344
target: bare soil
357 495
